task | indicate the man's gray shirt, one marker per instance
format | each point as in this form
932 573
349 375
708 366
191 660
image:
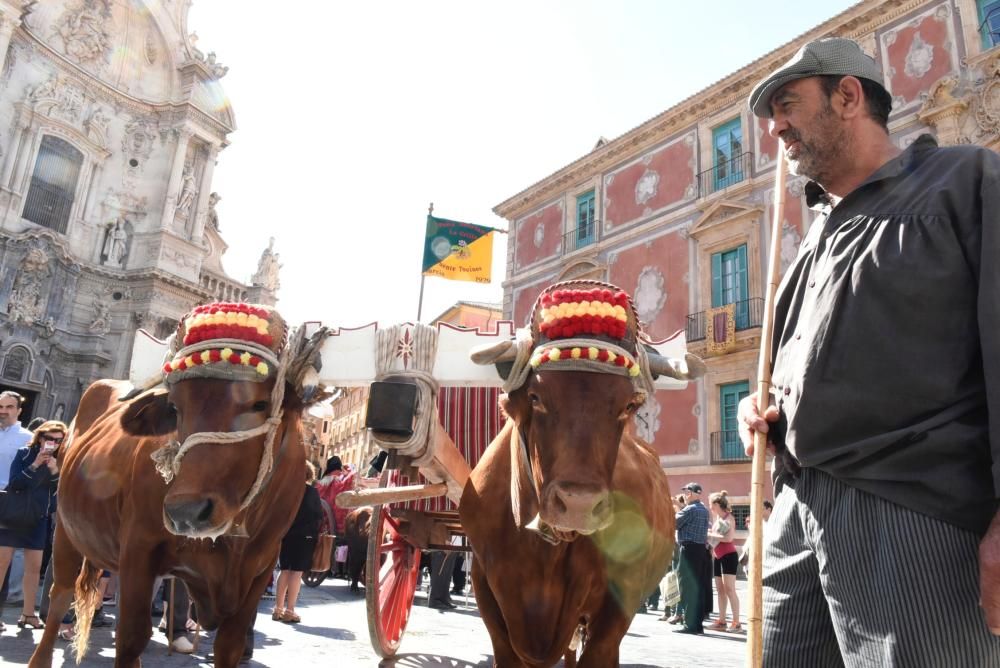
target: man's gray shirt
12 439
887 335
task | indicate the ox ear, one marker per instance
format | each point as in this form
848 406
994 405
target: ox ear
689 368
501 355
149 414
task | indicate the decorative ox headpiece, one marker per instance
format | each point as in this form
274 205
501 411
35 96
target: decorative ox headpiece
227 341
585 326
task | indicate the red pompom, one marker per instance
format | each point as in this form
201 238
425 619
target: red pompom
234 359
254 360
182 365
215 355
167 368
603 355
620 360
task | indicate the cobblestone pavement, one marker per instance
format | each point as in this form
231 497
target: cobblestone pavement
334 632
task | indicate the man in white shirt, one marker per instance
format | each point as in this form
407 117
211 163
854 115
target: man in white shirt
13 436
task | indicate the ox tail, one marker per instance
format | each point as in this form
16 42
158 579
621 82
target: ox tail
85 604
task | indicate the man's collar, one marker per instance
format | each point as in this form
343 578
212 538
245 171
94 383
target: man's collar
16 424
817 197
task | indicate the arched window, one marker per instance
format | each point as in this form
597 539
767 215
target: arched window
16 364
53 184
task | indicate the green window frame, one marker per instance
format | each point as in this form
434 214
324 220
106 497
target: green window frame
729 401
729 283
727 147
989 22
585 222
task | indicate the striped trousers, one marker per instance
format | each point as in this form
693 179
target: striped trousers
853 580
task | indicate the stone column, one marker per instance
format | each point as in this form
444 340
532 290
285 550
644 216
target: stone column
176 171
12 153
8 25
204 190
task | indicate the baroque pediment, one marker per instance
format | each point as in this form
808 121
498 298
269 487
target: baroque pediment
966 109
723 212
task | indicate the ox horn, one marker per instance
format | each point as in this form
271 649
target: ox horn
494 353
689 368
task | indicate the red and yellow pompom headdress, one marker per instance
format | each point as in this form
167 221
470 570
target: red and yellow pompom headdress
228 341
585 322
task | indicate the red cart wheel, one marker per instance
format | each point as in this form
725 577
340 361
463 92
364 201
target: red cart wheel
390 582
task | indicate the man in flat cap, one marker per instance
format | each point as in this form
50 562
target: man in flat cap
884 545
692 539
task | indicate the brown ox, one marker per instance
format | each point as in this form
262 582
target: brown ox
114 509
569 517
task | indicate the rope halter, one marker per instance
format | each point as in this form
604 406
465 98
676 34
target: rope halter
236 342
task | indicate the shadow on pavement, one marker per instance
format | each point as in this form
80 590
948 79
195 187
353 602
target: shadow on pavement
429 661
326 632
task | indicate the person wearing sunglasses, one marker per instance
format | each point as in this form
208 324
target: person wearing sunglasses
35 469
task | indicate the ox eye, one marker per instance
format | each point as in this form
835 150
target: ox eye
259 407
171 408
534 399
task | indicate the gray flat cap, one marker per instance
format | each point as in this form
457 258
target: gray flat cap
832 55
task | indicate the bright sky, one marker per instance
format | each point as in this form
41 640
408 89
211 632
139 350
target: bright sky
353 116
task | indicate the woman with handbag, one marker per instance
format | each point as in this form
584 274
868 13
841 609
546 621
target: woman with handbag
297 551
34 473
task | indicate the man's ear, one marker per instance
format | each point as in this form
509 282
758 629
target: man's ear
850 102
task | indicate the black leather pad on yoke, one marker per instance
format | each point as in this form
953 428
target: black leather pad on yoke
392 407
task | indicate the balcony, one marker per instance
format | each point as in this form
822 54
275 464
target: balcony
579 237
747 314
727 448
725 174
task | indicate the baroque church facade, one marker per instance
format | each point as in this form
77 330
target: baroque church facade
111 123
677 211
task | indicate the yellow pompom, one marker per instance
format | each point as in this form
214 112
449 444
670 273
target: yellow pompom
231 318
592 353
189 360
611 357
548 317
592 311
575 353
554 354
245 359
205 359
226 353
241 319
634 370
535 361
252 320
585 304
262 368
174 364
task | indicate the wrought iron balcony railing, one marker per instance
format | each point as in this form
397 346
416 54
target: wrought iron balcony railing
580 236
748 313
727 448
725 174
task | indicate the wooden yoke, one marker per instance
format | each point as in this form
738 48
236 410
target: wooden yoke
349 359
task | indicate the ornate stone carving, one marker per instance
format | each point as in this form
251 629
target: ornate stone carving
645 187
988 101
137 142
101 324
58 98
647 420
919 59
649 294
84 29
266 275
31 286
97 127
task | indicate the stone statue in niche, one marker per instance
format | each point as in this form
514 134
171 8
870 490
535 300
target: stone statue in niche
213 215
115 244
186 198
29 294
267 269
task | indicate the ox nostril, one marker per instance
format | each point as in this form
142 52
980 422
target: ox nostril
560 505
602 508
206 511
193 513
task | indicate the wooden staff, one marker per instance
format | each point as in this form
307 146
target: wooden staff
755 618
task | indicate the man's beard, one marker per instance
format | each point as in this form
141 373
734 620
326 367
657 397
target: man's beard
817 157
